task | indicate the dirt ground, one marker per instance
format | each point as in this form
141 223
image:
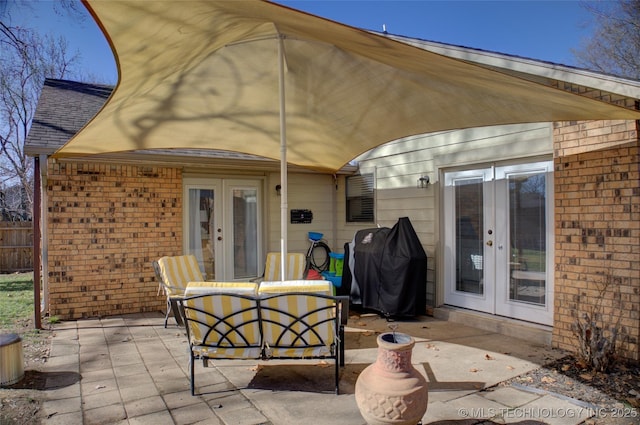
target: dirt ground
617 391
20 403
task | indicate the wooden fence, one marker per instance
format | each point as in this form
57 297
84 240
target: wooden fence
16 246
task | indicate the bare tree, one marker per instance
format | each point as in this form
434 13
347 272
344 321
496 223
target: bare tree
26 59
615 45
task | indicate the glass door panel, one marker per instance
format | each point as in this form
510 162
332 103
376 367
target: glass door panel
527 236
245 233
201 231
243 243
468 235
468 229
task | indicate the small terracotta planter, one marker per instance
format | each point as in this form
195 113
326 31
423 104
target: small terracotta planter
391 390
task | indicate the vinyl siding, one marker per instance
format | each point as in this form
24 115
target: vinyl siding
398 165
306 191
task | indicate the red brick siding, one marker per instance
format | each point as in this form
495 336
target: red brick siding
106 223
597 219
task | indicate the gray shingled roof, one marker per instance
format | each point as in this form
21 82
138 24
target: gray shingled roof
65 107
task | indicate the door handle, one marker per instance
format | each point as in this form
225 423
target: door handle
489 243
219 238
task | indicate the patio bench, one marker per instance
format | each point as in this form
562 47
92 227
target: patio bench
271 320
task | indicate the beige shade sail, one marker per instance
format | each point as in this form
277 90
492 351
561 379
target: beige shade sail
204 75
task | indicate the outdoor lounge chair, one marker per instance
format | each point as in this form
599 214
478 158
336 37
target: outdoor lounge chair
296 265
173 274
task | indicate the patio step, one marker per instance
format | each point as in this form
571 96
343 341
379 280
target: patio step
532 332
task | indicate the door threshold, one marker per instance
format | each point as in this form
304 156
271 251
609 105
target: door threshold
532 332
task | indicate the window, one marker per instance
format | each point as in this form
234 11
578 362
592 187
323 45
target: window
359 198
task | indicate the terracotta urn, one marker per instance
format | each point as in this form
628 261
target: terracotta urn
391 390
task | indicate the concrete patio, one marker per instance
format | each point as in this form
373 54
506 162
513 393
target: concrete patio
131 370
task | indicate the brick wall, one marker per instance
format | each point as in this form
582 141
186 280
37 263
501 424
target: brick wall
106 223
597 219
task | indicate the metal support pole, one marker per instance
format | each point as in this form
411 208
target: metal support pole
283 163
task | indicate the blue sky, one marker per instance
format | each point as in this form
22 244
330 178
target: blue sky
544 30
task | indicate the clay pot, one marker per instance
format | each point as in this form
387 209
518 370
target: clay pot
391 390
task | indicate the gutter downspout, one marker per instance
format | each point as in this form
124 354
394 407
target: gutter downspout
37 258
44 240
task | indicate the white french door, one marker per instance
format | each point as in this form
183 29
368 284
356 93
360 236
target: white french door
499 240
222 227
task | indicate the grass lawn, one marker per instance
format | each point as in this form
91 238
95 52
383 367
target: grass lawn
16 298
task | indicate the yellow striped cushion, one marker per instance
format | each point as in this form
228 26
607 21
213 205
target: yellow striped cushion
317 286
178 271
211 319
296 263
199 288
288 319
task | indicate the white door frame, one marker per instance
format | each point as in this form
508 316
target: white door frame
229 185
500 278
508 278
222 237
483 301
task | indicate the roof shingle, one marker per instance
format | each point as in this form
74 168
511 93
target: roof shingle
63 109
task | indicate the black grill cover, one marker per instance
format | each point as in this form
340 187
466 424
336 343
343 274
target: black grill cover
389 272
